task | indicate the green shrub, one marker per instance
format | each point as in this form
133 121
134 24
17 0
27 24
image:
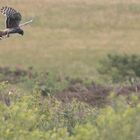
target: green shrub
117 122
47 84
35 117
121 68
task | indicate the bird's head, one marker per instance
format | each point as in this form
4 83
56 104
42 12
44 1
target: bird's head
21 32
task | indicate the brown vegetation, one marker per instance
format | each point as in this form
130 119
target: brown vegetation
96 95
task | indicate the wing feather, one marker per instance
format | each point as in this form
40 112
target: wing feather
13 17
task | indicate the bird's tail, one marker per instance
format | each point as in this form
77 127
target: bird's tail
26 23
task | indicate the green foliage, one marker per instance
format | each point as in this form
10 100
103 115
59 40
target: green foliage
38 118
121 68
47 84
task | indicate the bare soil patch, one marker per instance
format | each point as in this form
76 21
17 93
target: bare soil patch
96 95
14 75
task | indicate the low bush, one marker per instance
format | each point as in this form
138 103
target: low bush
38 118
121 68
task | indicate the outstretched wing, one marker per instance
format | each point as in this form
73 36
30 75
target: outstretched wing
13 17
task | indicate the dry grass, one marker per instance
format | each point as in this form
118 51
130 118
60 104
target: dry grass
69 37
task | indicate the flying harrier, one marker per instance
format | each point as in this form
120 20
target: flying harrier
12 22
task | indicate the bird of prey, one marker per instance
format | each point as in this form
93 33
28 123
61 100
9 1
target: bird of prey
12 22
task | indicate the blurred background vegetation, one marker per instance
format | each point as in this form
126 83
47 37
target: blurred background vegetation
69 37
